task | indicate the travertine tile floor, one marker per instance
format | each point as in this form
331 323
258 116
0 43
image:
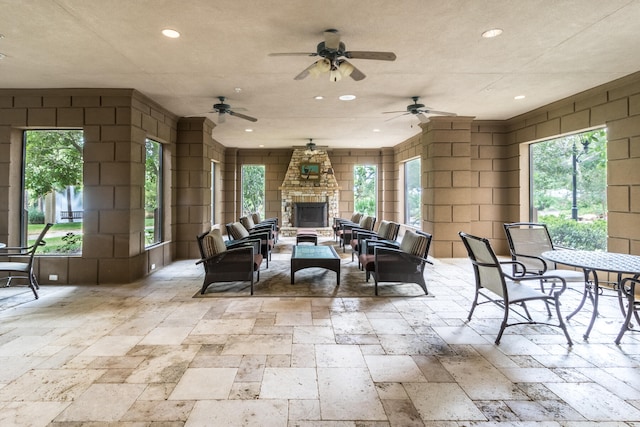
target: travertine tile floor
148 353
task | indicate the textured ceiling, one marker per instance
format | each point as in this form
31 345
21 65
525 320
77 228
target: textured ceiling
549 50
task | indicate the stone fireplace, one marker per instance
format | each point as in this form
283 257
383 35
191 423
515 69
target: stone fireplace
309 193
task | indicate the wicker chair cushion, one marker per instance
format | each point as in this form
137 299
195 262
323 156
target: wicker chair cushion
356 217
238 231
248 222
366 222
414 244
213 243
255 217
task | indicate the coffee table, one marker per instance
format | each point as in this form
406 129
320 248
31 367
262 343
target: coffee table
305 256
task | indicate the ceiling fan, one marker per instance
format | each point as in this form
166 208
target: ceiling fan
420 111
332 50
223 109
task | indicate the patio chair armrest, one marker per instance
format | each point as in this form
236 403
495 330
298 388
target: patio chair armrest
255 243
249 249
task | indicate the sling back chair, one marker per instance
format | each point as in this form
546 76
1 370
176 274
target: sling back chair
498 287
18 264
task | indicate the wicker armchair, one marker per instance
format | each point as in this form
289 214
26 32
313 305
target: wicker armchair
236 232
224 262
404 262
387 231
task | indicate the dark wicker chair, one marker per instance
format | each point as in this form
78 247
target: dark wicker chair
400 263
337 223
498 287
251 226
346 229
387 231
24 269
237 232
225 262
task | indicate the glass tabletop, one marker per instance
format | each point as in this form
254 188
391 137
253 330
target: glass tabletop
306 251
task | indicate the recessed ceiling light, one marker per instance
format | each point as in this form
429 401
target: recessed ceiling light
494 32
172 34
248 130
238 90
519 97
376 130
261 145
2 56
318 98
347 97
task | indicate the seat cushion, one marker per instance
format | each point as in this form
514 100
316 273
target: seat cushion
213 243
414 244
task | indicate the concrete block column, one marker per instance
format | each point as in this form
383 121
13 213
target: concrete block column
446 182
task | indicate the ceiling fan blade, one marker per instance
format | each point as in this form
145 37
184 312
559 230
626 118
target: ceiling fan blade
221 117
393 112
393 118
356 74
332 39
304 73
422 118
380 56
293 54
242 116
439 113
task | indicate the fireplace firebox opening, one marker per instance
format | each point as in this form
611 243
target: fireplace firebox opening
310 214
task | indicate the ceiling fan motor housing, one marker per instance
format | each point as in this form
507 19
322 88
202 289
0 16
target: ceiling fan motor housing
331 53
414 108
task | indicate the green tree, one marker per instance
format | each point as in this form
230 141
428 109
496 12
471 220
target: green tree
253 183
364 188
53 162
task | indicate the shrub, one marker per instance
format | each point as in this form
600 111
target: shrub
576 234
36 216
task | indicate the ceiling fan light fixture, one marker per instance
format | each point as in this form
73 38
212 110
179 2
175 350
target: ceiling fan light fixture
345 69
335 75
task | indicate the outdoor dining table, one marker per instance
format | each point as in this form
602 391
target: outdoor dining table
592 262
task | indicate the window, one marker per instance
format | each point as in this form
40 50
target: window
365 188
153 193
253 194
569 188
412 193
52 184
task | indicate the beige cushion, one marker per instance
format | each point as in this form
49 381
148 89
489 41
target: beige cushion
238 231
213 243
356 217
366 222
255 217
413 243
248 222
390 230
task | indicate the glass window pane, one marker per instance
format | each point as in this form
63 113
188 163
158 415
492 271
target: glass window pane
153 193
412 193
253 189
53 167
365 188
569 188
